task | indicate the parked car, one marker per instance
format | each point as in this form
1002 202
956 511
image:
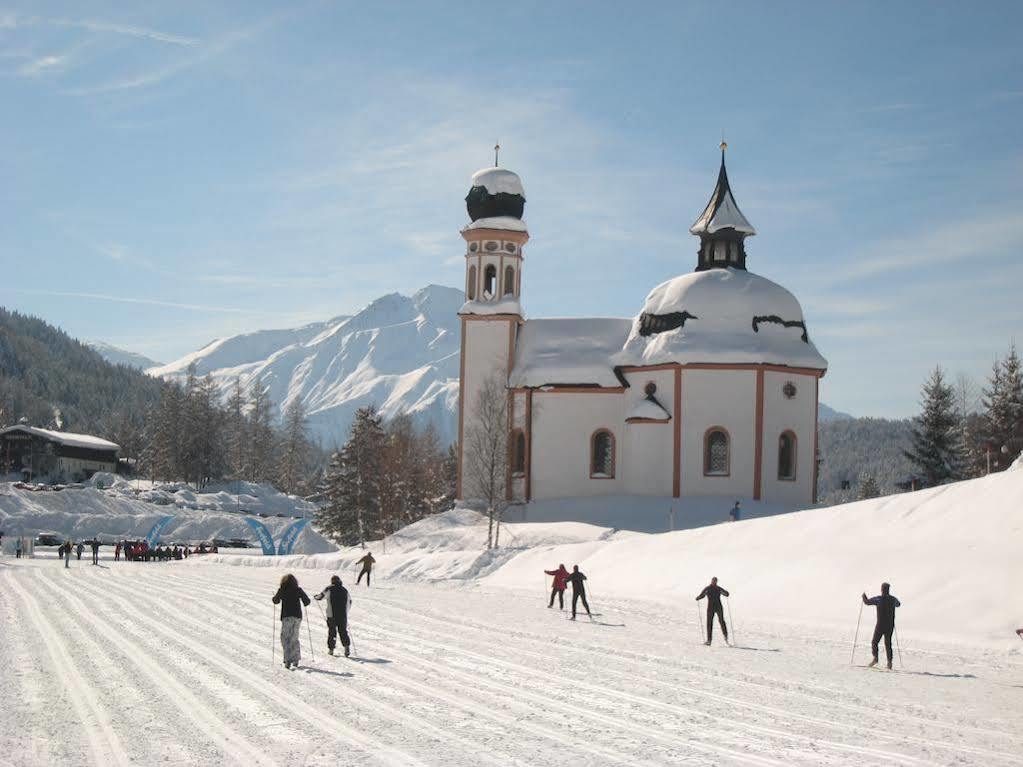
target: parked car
48 539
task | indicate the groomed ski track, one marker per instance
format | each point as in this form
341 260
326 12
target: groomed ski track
144 663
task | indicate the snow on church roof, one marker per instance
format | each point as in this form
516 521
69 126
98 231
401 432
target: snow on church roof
647 409
729 316
507 223
576 351
722 212
65 437
498 180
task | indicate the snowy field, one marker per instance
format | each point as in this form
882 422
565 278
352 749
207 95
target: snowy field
130 664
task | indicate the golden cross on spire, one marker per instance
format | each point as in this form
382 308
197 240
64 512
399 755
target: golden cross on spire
497 148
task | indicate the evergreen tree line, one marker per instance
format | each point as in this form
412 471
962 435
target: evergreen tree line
50 380
385 477
954 439
193 436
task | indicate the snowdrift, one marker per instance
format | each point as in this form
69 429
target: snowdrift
952 554
112 508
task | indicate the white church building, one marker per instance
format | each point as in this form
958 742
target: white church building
711 390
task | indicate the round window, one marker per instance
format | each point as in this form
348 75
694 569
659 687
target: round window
650 388
510 247
789 390
473 247
491 245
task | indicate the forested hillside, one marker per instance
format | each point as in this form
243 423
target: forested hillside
855 447
52 380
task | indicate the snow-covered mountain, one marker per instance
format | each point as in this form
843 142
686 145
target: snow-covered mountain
826 413
399 353
117 356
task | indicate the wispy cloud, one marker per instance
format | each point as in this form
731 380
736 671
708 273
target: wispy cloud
123 29
135 300
41 65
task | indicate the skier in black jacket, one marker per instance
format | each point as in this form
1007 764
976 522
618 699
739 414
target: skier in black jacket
885 604
291 597
713 593
367 563
578 590
338 602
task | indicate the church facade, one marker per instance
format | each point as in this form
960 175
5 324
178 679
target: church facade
711 390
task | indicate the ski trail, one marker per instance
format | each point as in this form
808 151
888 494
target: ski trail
234 746
731 701
105 745
331 727
483 710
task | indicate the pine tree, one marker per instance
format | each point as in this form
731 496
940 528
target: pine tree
260 434
354 481
868 487
294 449
235 432
934 445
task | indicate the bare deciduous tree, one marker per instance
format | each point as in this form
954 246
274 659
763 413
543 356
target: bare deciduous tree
486 452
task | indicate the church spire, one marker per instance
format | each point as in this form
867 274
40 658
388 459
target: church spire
722 227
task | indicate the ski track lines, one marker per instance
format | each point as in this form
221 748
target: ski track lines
481 709
617 723
886 715
104 744
329 726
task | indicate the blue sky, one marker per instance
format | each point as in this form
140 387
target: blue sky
175 173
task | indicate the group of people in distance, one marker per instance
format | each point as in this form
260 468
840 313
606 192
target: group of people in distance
337 601
140 551
65 550
885 603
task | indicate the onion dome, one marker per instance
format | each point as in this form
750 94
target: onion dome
495 193
722 227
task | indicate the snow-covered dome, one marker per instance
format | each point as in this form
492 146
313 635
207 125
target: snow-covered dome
720 316
495 192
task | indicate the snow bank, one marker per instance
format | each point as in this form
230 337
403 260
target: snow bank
952 555
112 509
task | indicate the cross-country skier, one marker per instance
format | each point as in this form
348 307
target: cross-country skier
578 590
117 552
67 554
367 567
17 549
79 549
289 596
885 604
338 603
560 584
713 593
95 551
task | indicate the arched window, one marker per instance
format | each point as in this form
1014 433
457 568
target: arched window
787 456
716 461
509 280
490 281
602 454
472 283
518 453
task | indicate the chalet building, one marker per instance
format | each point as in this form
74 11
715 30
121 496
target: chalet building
710 390
56 456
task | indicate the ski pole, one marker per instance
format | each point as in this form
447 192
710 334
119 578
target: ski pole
699 617
309 627
896 631
856 635
728 601
273 645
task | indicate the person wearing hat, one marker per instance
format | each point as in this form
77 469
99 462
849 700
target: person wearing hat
338 602
885 604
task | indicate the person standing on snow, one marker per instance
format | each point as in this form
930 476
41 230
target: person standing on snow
560 584
338 602
291 598
78 550
67 554
578 590
713 593
885 626
17 549
95 551
735 512
367 567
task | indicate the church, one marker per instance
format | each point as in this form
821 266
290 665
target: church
711 390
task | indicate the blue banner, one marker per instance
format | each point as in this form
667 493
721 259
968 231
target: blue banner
291 535
265 539
154 535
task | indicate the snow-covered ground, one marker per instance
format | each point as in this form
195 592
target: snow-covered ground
458 661
171 663
112 508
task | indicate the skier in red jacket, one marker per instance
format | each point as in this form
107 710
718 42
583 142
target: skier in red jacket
560 584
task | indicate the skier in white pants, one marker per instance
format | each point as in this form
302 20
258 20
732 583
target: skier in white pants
291 598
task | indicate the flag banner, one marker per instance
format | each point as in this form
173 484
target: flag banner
154 535
265 539
291 535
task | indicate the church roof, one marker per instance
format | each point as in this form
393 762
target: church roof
495 192
647 409
569 352
722 212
